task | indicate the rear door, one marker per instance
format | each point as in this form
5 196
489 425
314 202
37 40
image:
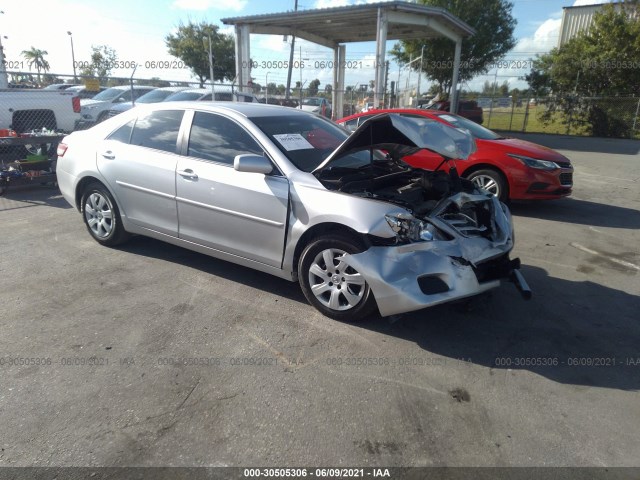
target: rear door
139 160
236 212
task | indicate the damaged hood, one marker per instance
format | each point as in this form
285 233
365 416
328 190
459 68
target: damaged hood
401 136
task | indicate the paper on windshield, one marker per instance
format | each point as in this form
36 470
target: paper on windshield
448 118
293 141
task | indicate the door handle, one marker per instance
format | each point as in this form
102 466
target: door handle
188 173
108 154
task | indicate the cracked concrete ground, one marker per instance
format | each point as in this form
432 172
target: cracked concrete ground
153 355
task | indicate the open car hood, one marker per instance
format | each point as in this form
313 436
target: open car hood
401 136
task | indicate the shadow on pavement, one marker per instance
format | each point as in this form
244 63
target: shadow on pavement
589 331
150 247
586 333
582 212
32 196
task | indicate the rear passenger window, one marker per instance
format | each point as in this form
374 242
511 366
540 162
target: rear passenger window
158 130
219 139
122 134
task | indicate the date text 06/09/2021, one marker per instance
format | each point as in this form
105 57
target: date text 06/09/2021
370 472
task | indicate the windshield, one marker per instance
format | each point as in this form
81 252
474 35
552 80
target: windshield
154 96
182 96
478 131
305 140
314 102
108 94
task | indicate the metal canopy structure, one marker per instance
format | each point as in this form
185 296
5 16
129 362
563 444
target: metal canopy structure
333 27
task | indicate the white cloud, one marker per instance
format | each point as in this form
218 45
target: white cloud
582 3
235 5
331 3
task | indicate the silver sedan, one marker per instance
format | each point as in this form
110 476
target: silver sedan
290 193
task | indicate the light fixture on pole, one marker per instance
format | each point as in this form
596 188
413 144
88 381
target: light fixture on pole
73 56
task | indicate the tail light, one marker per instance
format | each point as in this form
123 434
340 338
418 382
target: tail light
75 101
61 150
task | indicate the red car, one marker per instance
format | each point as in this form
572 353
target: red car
510 168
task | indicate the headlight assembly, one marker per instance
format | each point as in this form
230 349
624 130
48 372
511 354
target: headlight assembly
409 228
536 163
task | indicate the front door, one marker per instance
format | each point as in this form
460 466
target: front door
236 212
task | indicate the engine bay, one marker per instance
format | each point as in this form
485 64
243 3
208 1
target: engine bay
417 190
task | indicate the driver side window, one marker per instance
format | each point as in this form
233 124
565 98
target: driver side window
219 139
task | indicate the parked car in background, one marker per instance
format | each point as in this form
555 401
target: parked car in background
96 109
318 105
507 167
204 94
24 110
466 108
60 86
154 96
289 193
83 93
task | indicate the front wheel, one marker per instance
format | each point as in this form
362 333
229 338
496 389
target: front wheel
330 284
492 181
101 216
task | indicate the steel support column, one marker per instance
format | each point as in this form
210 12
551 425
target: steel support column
381 43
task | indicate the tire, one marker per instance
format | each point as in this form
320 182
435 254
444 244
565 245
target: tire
101 216
338 293
492 181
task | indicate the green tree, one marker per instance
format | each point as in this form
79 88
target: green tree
281 89
101 62
600 62
314 85
494 25
35 58
191 45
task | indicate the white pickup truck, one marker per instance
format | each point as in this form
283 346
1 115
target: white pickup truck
24 110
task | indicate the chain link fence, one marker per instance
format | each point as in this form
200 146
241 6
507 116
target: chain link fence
65 103
615 117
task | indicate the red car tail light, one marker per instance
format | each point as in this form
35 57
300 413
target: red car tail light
75 101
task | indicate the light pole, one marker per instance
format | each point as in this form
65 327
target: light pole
4 82
420 75
266 88
213 93
73 56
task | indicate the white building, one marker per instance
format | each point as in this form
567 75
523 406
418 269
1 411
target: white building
578 19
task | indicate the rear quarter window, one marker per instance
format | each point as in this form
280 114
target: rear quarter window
158 130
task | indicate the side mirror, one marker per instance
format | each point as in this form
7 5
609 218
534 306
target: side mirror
252 163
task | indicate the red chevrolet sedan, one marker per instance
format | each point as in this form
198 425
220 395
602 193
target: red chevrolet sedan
510 168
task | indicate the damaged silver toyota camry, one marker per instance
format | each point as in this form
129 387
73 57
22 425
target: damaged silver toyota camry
292 194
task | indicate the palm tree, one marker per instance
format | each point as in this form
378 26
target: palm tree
35 57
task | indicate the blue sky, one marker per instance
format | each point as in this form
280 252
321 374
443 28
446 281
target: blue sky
136 30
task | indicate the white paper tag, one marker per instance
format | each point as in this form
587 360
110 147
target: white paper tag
449 118
293 141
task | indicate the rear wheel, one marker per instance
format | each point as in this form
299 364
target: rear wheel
492 181
101 216
330 284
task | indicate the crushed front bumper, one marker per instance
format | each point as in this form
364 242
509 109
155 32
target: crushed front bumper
417 275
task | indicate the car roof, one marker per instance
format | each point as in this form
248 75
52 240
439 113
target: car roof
247 109
135 87
172 89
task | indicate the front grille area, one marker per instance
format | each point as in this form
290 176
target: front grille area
564 164
472 220
566 178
